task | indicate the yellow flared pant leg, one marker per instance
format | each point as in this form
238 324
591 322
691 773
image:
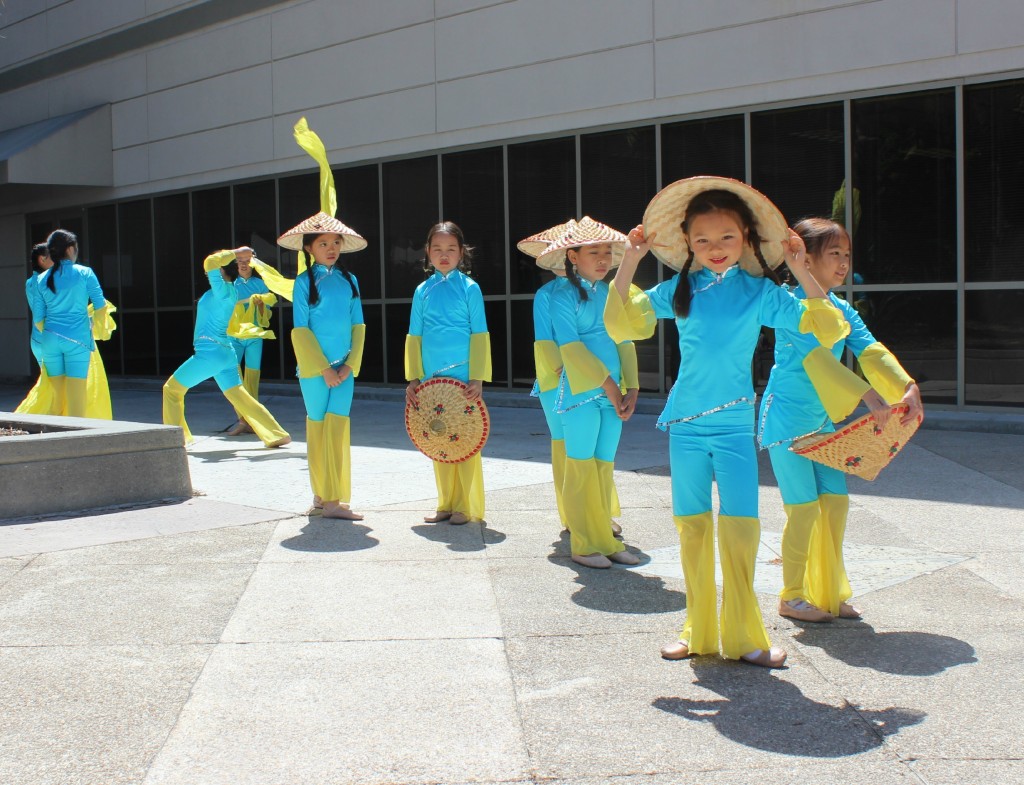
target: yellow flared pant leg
251 382
58 400
255 413
460 487
827 584
315 455
586 509
697 553
740 621
77 396
97 390
558 473
40 397
606 471
174 406
796 537
337 485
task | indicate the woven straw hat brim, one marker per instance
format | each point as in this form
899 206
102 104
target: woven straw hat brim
536 244
859 448
445 426
664 217
322 223
577 234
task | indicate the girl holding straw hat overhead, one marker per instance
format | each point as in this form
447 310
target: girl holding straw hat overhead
597 387
448 337
328 334
724 239
808 389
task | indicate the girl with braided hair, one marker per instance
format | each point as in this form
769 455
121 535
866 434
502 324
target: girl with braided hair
723 238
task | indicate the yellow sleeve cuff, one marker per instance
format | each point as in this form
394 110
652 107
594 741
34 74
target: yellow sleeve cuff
825 321
839 388
355 355
630 379
308 353
548 364
246 322
103 324
632 320
582 368
480 357
884 372
413 357
277 283
41 325
219 259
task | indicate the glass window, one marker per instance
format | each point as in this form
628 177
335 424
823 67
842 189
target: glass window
994 180
138 337
497 326
289 365
101 254
135 232
173 251
410 209
397 318
904 174
175 331
541 193
373 350
211 230
523 371
994 348
713 146
359 209
299 198
256 219
270 362
474 198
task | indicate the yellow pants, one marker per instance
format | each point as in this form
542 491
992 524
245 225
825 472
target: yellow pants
587 509
460 487
328 453
826 582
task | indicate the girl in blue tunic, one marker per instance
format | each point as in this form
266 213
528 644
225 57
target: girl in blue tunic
249 328
448 337
597 387
724 238
808 389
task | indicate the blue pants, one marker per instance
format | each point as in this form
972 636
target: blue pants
322 400
717 446
554 420
65 358
802 480
210 360
592 431
250 350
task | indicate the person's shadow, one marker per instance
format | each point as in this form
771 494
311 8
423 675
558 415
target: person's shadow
464 538
902 653
331 535
759 710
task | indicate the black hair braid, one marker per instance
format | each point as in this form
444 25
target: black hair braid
755 243
681 300
574 279
57 244
350 279
314 292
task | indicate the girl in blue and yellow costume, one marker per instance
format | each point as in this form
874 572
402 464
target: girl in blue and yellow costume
70 311
724 238
808 389
597 387
448 337
215 357
327 334
249 328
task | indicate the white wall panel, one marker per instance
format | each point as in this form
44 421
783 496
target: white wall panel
130 122
451 7
683 17
131 165
392 61
809 45
14 12
24 106
219 51
533 31
559 87
984 25
80 19
231 98
221 148
23 41
322 23
107 82
162 6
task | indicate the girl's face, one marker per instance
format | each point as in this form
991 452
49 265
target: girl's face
444 252
830 266
717 240
592 261
325 249
245 269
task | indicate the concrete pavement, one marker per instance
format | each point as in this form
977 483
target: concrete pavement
232 638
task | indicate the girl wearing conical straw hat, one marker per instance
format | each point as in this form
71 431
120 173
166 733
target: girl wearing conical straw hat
597 387
328 336
724 239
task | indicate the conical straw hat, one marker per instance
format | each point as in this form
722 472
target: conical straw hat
665 213
585 231
444 425
536 244
322 223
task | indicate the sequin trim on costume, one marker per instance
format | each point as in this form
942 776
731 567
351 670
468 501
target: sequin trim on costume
442 371
764 418
561 398
213 340
719 277
663 424
72 340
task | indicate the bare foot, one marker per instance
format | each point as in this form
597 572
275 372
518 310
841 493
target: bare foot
341 511
771 658
458 518
847 611
281 442
623 557
238 428
594 560
437 517
678 650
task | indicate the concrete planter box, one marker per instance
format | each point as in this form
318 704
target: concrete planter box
66 464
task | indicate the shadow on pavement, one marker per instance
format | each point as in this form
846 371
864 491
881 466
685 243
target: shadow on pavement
460 539
264 454
331 535
901 653
759 710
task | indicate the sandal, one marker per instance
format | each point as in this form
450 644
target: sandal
766 658
801 610
678 650
437 517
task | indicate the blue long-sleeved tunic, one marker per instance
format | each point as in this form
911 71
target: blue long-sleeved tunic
65 313
446 310
331 318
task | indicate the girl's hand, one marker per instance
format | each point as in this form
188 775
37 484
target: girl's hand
344 372
611 389
331 377
628 403
912 397
474 390
637 245
794 249
244 253
410 393
879 408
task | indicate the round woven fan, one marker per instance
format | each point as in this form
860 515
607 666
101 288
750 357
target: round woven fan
861 448
446 426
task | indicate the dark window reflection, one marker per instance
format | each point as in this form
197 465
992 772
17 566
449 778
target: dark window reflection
359 209
138 336
289 365
175 330
173 251
541 193
101 254
474 198
618 179
994 180
498 327
904 164
695 147
299 198
256 219
211 230
797 160
270 362
373 350
994 348
410 209
397 319
523 371
136 254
